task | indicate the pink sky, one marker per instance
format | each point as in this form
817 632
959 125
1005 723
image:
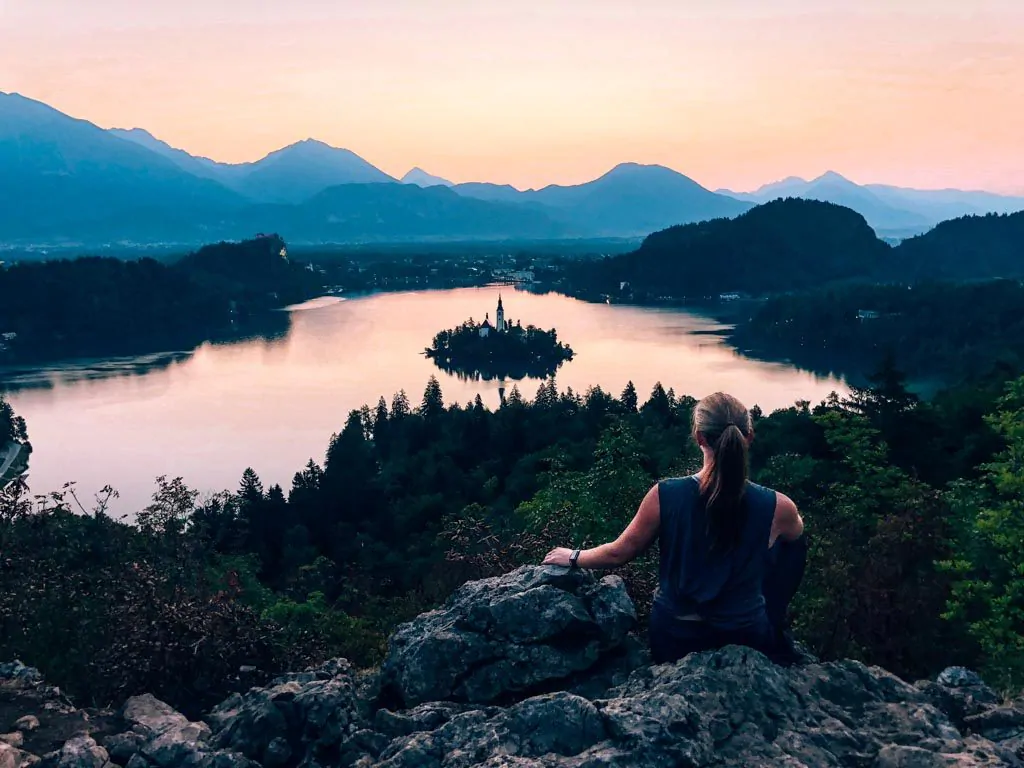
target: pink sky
734 93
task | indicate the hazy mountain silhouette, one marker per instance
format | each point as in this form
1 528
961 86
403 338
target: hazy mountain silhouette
202 167
942 204
65 178
289 175
421 178
887 208
68 177
484 190
831 187
399 212
300 171
630 199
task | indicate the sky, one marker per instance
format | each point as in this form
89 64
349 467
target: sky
734 93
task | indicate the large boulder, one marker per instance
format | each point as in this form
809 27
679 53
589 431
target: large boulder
497 639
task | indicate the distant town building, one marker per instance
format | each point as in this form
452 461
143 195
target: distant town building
867 314
731 296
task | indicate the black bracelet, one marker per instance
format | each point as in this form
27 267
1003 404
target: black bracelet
573 558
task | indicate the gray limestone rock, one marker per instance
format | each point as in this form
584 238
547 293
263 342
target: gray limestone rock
498 639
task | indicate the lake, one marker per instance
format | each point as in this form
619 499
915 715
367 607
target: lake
207 414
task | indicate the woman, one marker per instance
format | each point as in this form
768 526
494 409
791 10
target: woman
732 552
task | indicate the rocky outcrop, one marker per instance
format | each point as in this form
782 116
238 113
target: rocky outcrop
529 671
531 629
730 708
316 717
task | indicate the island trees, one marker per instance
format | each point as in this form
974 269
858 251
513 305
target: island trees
479 351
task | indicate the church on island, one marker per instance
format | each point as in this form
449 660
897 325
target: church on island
504 349
500 326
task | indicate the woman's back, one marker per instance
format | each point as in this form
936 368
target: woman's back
700 578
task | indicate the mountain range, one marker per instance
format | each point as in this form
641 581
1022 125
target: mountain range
67 180
889 210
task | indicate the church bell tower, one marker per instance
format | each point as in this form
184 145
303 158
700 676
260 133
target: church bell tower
500 326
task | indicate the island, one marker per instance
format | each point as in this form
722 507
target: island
504 350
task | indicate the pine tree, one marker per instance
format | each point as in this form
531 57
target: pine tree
400 407
658 405
515 398
433 401
251 489
629 398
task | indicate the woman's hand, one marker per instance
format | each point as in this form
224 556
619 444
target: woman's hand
558 556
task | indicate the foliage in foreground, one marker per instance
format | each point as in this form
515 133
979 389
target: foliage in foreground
989 591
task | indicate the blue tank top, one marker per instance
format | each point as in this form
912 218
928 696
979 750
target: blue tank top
722 587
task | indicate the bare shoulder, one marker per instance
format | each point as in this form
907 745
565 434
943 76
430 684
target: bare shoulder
787 523
785 506
652 500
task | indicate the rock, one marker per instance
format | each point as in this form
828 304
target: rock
893 756
26 723
15 670
998 723
162 737
12 757
498 638
425 717
959 677
122 747
15 739
151 717
79 752
301 718
960 693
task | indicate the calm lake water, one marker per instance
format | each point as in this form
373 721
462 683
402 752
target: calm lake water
208 413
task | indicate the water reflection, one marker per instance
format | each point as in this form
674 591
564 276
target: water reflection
499 372
272 402
267 329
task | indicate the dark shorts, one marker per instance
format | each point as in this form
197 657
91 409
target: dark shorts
672 638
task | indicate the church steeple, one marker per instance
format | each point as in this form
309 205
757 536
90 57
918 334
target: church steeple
500 324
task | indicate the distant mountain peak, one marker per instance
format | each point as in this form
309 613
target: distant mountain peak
832 176
308 146
633 168
421 178
141 132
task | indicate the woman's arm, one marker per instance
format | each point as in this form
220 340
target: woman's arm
637 537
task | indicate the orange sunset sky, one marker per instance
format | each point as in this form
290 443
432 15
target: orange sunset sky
735 93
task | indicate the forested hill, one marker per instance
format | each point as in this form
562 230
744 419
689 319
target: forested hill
779 246
964 249
258 271
108 306
794 245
